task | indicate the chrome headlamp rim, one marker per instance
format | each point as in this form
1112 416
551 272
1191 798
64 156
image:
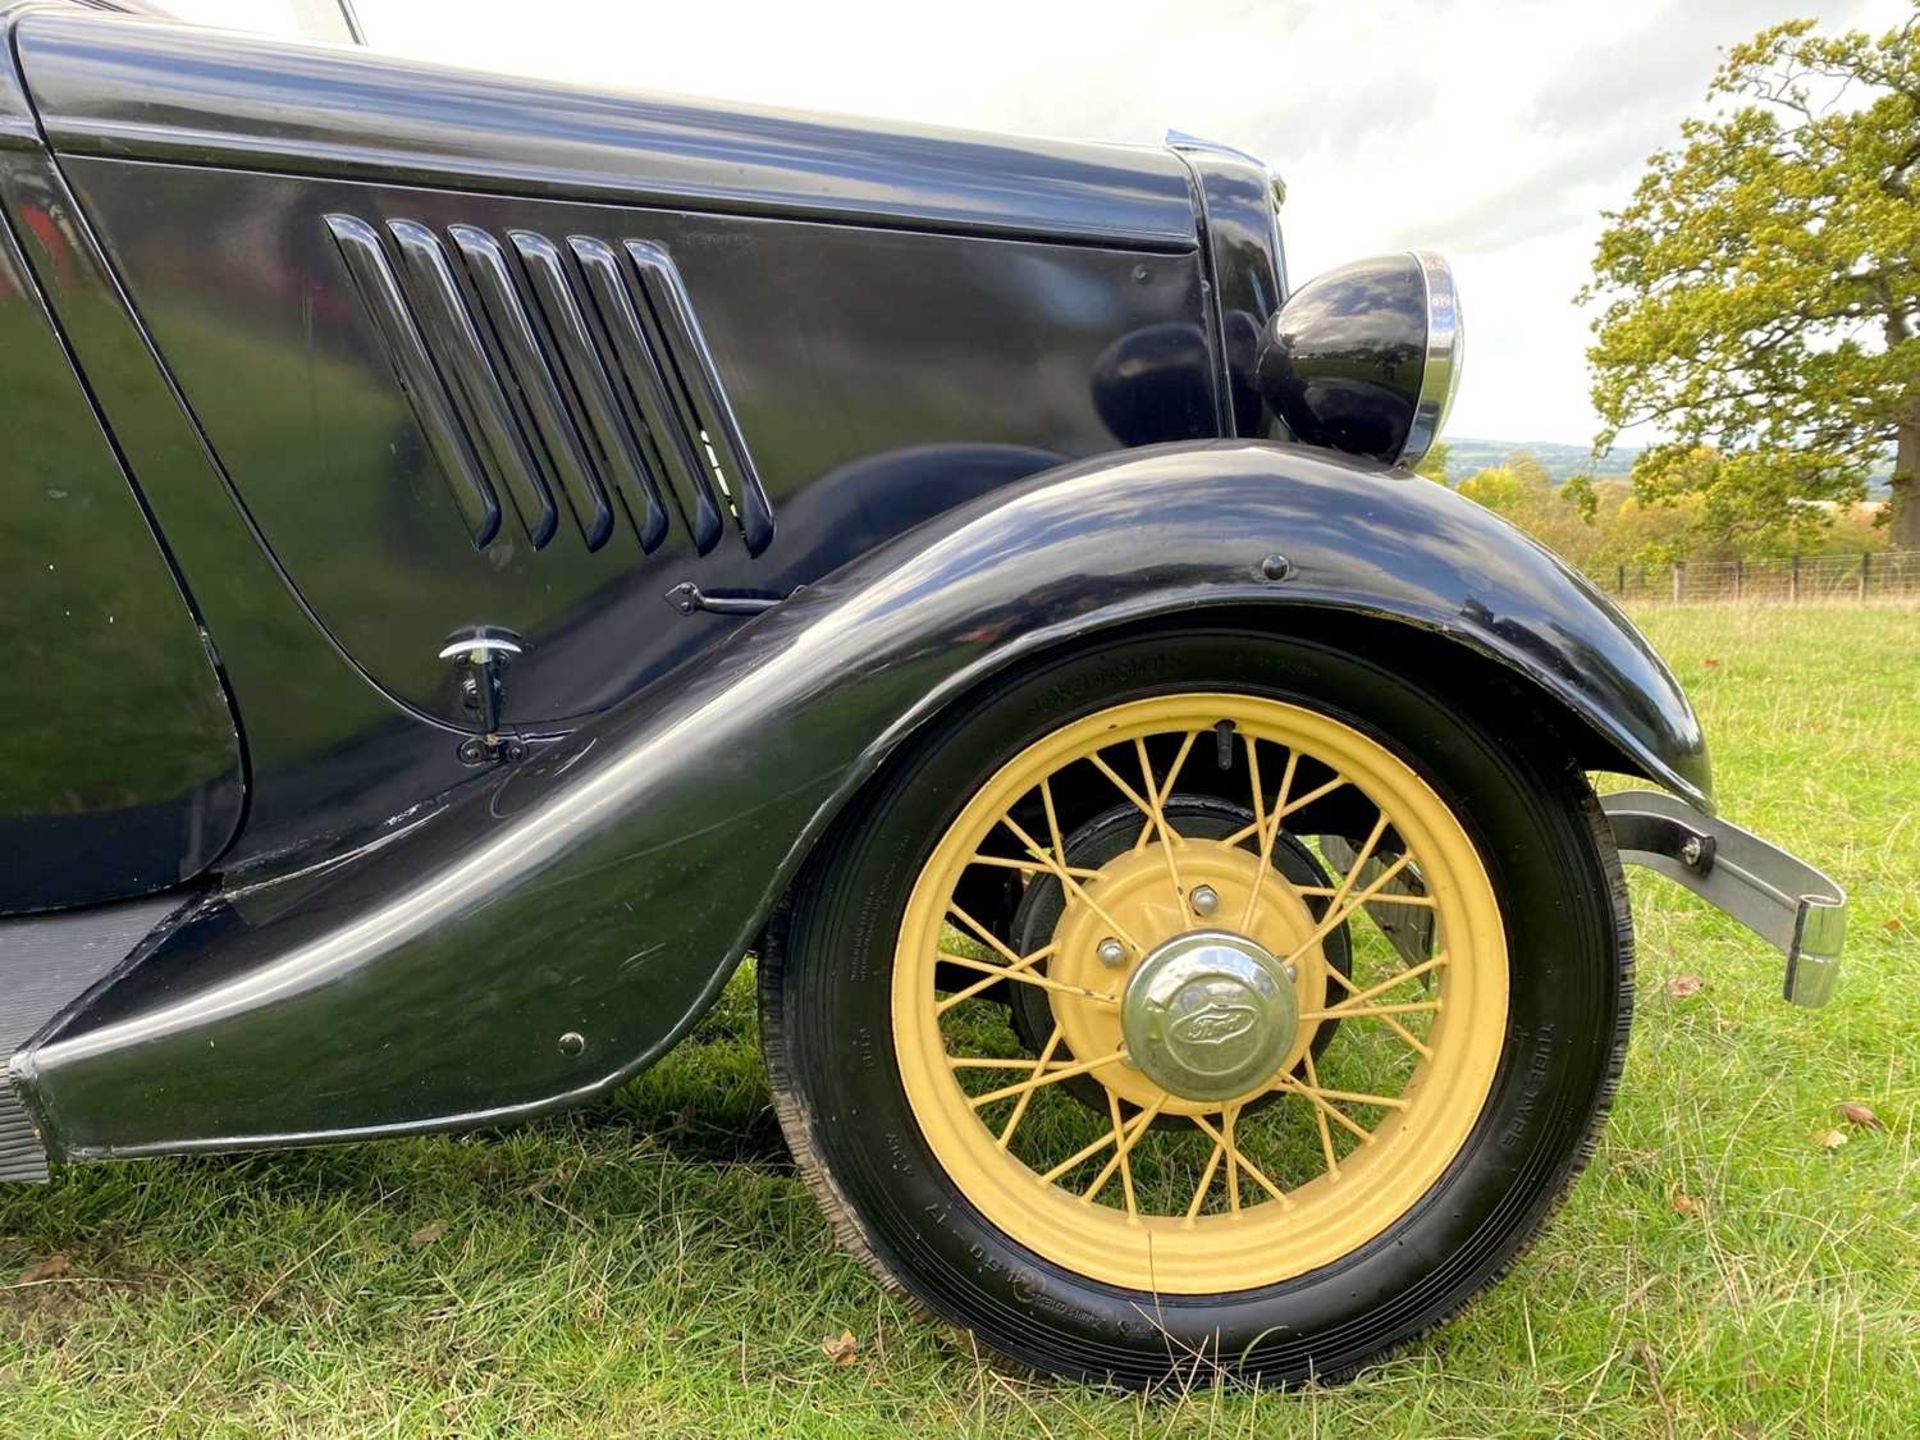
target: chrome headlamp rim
1446 342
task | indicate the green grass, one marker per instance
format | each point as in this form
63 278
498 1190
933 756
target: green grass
652 1266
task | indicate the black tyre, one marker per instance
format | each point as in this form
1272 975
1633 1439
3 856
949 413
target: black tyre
1192 1172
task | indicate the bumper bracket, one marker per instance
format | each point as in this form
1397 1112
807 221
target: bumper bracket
1783 900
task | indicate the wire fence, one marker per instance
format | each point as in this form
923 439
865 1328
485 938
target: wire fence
1890 575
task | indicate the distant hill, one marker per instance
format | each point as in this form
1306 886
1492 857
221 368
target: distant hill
1563 462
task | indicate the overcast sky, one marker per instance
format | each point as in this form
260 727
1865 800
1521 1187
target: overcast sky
1494 131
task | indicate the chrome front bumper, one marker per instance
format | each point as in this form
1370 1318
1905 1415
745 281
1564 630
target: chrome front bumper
1786 902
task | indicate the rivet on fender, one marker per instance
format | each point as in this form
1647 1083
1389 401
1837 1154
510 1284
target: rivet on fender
1276 567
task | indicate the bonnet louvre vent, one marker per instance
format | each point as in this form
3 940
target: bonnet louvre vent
558 380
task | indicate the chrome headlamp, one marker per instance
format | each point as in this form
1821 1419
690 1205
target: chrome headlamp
1365 359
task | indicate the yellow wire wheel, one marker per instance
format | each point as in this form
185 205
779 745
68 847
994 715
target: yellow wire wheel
1183 1125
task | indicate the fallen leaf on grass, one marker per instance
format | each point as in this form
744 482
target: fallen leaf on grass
1685 1204
1681 986
1855 1113
1832 1140
428 1233
841 1348
1894 927
1710 664
51 1268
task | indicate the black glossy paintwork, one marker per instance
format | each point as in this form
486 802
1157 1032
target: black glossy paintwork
903 326
607 886
120 771
1341 362
837 345
592 471
19 128
333 759
330 760
669 335
1247 270
108 86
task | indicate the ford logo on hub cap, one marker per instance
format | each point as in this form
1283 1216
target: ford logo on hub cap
1215 1023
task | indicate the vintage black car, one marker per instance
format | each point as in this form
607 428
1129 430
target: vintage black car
483 557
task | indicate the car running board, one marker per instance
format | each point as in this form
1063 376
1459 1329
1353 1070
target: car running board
46 963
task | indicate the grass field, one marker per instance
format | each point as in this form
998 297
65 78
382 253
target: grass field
652 1267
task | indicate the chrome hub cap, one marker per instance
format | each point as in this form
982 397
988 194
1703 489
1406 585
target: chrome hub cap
1209 1015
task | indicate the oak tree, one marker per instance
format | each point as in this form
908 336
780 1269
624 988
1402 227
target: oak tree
1762 290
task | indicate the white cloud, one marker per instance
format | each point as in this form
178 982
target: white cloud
1494 130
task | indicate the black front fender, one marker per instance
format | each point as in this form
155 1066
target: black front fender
603 890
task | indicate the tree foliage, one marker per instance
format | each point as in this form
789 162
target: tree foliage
1598 524
1521 484
1433 464
1522 490
1763 290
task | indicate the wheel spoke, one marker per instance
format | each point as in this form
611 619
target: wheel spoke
1126 1165
983 934
1179 761
1099 763
1015 967
1320 1120
1239 1157
1053 823
1274 819
993 1062
1159 797
1338 913
1206 1180
1401 978
1033 867
1021 969
1268 834
1158 811
1365 853
1155 805
1027 977
1086 1152
1291 1086
1145 806
1020 1106
1312 1086
1426 902
1229 1117
1347 1010
1411 1040
1155 820
1072 886
1051 1077
1128 1136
